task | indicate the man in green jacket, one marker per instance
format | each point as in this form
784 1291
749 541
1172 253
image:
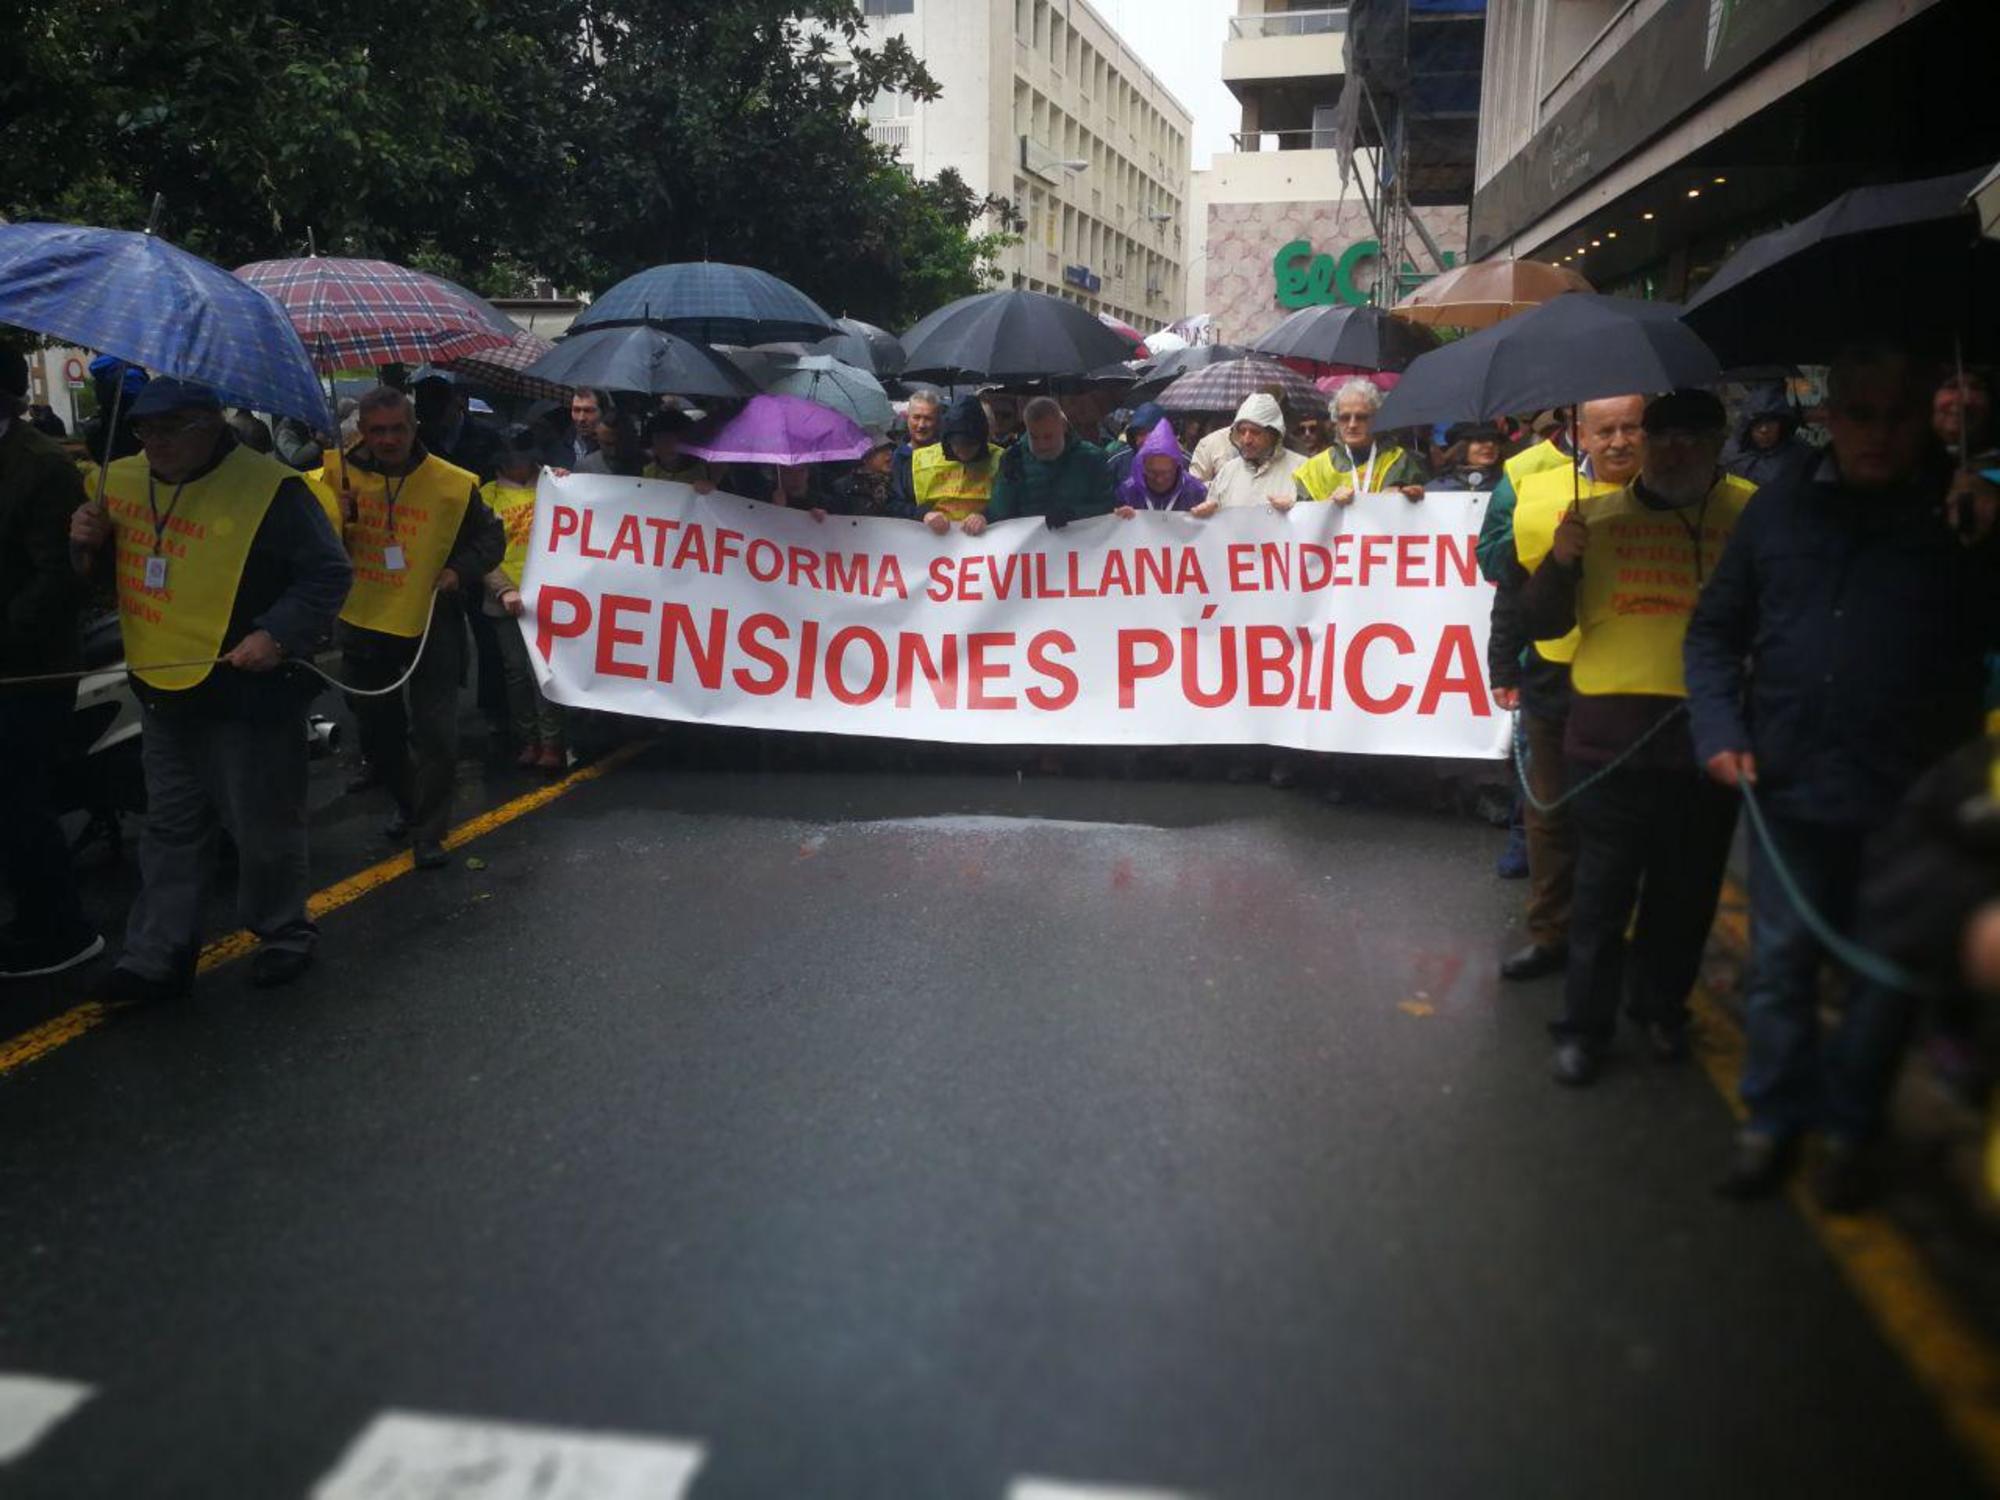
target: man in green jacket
1052 473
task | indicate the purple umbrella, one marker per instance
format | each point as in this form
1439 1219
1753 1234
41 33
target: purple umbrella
783 430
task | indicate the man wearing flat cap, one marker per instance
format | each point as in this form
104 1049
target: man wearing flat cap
1624 570
227 574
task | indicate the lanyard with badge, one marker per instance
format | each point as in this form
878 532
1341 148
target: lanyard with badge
1364 479
392 550
156 565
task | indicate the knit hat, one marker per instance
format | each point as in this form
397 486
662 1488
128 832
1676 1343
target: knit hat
1264 411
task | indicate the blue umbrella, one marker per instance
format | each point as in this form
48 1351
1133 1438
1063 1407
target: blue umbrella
137 297
643 359
712 303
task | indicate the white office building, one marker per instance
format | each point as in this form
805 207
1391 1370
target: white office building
1044 104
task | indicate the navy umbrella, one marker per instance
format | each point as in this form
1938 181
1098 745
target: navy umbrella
640 358
1844 275
1009 337
137 297
866 347
1364 338
711 303
1578 347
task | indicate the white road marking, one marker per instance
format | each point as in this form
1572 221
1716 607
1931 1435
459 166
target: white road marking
411 1456
1062 1489
30 1406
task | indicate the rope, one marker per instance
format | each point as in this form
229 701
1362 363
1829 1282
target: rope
210 661
1844 951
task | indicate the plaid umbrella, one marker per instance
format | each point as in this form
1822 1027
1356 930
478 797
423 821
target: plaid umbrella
711 303
1224 387
505 369
139 298
370 312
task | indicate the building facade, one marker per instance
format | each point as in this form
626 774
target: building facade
1043 104
1277 229
1641 141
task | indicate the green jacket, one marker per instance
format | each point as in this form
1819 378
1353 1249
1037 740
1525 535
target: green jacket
1074 484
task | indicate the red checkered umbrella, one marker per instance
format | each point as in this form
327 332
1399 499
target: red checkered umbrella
371 312
504 369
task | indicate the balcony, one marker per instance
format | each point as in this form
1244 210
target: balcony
894 135
1276 166
1285 46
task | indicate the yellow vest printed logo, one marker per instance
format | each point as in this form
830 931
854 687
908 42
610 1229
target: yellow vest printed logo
430 504
1330 469
514 504
1642 571
205 543
1540 503
954 489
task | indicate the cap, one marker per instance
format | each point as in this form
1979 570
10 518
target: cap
1686 411
164 394
1471 432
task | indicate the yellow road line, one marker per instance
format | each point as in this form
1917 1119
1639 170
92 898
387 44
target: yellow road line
37 1042
1884 1269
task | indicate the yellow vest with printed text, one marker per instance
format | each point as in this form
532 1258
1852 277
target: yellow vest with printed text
940 482
1642 572
204 534
429 503
514 504
1332 469
1540 503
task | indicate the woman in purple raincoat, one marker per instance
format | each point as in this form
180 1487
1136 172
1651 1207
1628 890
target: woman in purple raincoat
1159 479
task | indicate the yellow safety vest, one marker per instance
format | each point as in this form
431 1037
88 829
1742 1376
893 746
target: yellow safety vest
1532 461
324 482
956 490
1540 503
431 502
1329 470
204 534
1642 571
514 504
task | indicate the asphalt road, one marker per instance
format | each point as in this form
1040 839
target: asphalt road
913 1135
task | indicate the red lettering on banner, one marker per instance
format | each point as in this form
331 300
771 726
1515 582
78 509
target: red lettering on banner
940 677
808 658
1131 670
626 541
1357 666
1370 545
1312 579
878 666
1191 687
676 626
1242 563
979 671
728 544
1067 687
1455 650
1262 664
548 628
562 523
1343 576
748 639
1410 561
611 636
693 549
1458 555
583 542
804 563
765 560
662 528
939 590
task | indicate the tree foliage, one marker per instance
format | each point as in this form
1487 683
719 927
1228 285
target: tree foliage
493 140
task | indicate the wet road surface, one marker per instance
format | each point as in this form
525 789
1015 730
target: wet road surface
921 1135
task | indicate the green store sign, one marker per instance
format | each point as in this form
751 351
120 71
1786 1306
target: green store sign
1308 280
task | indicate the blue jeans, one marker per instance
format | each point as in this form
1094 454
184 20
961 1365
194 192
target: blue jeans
1793 1079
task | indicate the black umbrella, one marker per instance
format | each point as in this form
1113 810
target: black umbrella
1903 263
639 358
1366 338
864 346
1009 336
713 302
1168 368
1578 347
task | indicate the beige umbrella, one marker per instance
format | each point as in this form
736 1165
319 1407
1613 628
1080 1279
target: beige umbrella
1487 292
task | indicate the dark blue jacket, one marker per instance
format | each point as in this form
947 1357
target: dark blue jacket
1841 639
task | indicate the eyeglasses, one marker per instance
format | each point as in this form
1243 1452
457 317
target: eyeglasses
1352 416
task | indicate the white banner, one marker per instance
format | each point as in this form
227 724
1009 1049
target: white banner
1354 628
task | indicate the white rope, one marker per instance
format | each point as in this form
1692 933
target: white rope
210 661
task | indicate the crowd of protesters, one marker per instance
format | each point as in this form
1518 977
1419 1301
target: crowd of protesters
1818 632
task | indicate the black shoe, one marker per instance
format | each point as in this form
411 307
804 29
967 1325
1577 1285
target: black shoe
125 990
396 829
1576 1062
272 967
430 855
1760 1166
1536 961
1668 1041
25 958
1843 1183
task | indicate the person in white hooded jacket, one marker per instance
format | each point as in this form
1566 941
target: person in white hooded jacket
1262 471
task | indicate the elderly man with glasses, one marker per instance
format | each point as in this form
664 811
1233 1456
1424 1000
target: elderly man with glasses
1355 463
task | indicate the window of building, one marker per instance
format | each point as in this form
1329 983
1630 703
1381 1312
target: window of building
889 104
888 7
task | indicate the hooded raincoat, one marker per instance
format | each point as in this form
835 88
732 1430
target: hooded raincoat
1186 493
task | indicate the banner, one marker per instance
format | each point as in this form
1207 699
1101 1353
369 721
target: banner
1354 628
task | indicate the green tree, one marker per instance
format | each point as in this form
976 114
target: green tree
493 140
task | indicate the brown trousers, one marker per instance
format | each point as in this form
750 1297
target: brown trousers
1551 836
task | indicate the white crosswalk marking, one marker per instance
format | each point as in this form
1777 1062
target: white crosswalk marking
410 1456
30 1406
1062 1489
